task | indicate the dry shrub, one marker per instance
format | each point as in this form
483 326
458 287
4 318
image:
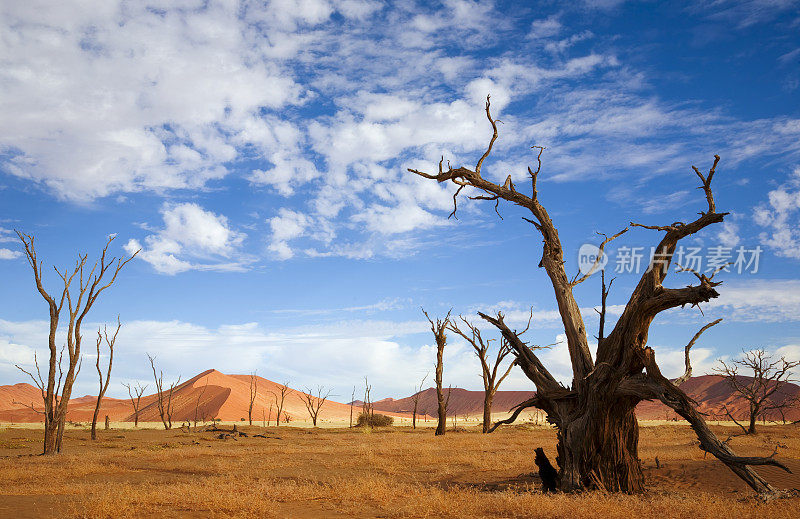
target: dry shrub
374 420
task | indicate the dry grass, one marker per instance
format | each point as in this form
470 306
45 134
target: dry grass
343 473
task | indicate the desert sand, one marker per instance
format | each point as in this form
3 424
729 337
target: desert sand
391 472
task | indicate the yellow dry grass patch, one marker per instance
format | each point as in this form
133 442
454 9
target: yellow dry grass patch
345 473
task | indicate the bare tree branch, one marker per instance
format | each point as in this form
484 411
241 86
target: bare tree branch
688 373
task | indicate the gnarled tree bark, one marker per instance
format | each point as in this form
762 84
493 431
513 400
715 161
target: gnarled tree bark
595 420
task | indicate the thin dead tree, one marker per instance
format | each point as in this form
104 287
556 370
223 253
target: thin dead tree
785 405
367 409
352 401
439 329
163 397
594 416
253 394
415 398
447 402
283 390
769 376
489 372
138 390
57 391
314 403
198 414
103 383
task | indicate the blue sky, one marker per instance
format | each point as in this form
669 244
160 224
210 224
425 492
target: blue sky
257 153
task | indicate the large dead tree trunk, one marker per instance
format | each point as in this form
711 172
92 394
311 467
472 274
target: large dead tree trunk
439 329
595 419
57 391
103 383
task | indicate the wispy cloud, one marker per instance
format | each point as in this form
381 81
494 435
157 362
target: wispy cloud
781 216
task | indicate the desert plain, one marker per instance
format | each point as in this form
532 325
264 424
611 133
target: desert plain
395 471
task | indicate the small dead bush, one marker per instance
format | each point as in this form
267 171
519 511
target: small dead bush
374 420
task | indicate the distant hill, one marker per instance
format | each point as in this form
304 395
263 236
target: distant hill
211 394
216 395
711 392
462 402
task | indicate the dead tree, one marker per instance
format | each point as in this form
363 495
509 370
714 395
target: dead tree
103 383
314 403
282 391
417 394
197 413
769 376
57 391
489 373
447 403
367 409
352 400
253 394
163 397
594 416
138 390
439 329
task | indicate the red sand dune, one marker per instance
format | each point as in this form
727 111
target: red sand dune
19 395
210 394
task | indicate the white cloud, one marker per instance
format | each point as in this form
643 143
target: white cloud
742 13
288 225
7 236
343 351
193 233
545 28
781 216
119 97
8 254
728 236
398 219
758 300
672 360
125 98
791 352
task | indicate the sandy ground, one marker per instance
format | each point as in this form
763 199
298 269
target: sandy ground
393 472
